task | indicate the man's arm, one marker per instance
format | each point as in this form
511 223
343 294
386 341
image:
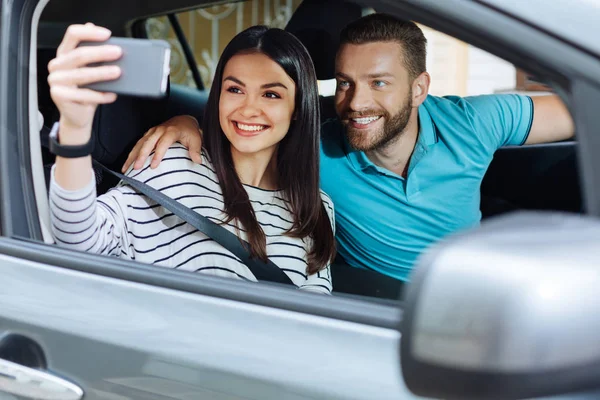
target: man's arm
552 121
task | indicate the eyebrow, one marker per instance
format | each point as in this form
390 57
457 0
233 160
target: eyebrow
343 76
380 75
370 76
265 86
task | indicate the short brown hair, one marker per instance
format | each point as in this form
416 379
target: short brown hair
381 27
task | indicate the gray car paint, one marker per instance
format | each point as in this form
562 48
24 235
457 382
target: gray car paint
113 336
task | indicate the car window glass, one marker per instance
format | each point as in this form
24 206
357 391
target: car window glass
518 178
458 68
208 30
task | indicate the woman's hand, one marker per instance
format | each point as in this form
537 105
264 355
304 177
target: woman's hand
69 71
183 129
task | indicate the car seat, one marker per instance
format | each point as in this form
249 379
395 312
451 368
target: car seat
318 25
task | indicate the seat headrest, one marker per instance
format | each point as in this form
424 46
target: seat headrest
318 24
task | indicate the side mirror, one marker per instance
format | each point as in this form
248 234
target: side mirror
510 310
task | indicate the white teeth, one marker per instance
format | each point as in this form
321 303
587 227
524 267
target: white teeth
366 120
251 128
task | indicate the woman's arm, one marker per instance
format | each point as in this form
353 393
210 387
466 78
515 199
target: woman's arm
80 221
319 282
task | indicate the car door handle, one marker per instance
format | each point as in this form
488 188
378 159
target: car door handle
35 384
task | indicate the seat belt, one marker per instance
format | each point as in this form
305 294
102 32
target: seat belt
262 271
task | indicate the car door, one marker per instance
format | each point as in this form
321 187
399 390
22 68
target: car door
158 336
76 324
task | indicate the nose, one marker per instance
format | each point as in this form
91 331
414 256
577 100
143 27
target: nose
360 98
250 108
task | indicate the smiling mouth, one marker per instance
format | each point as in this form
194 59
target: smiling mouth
364 121
250 128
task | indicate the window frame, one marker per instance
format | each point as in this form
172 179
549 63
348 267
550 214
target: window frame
378 313
18 208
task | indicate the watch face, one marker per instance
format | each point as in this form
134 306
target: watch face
54 130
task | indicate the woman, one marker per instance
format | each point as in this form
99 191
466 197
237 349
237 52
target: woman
259 175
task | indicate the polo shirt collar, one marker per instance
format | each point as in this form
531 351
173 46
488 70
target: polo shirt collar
427 137
427 131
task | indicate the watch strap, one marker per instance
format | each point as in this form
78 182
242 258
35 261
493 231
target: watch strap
65 151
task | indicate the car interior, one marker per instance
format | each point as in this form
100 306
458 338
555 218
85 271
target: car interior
528 177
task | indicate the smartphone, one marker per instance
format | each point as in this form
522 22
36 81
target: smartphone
144 67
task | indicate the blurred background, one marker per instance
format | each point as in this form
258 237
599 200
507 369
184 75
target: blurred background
455 67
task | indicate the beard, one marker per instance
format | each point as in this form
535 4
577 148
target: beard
378 138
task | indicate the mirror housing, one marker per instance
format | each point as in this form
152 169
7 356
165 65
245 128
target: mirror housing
510 310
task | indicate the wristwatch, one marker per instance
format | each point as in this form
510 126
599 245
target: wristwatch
77 151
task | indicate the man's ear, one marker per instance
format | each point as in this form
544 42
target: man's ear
420 89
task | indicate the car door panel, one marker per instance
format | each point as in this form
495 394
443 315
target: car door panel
140 341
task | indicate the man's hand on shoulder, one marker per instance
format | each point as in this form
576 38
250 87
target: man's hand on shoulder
183 129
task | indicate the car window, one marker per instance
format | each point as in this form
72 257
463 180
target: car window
518 177
222 22
458 68
514 181
208 30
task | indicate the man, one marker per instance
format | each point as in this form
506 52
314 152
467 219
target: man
403 168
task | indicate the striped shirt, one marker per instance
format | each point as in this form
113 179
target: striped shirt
127 224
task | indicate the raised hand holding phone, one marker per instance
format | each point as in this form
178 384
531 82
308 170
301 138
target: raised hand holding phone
69 71
91 68
144 67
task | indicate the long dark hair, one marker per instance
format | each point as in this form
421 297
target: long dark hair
297 154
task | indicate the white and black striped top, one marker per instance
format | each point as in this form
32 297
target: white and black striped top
127 224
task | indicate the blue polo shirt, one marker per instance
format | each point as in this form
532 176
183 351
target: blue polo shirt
383 221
